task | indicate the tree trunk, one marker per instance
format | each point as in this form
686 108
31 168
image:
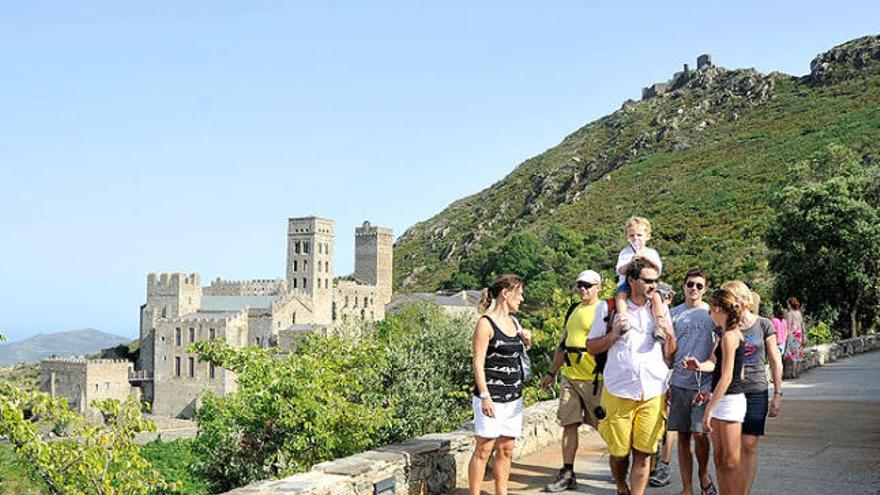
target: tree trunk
854 322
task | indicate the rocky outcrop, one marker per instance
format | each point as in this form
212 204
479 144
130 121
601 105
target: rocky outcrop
845 61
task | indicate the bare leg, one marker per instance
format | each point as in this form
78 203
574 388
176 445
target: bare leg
685 463
477 466
701 445
569 443
619 469
726 439
641 468
501 466
666 453
749 460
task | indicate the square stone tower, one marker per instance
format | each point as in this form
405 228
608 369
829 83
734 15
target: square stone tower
373 259
169 295
310 262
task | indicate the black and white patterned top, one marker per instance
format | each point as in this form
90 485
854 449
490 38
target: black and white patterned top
503 367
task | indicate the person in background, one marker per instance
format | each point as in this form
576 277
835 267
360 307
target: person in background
796 340
781 326
660 474
498 344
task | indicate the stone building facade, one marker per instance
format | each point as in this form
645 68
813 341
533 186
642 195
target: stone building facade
82 381
263 313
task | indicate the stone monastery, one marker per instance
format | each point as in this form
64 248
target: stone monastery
179 311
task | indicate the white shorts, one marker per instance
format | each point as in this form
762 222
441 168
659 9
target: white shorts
731 408
508 420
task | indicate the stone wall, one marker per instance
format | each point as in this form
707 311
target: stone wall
818 355
430 464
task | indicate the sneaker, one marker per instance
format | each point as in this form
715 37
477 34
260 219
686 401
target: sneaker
660 475
565 480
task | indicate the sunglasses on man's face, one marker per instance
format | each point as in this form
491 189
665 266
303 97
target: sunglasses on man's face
649 281
691 284
584 285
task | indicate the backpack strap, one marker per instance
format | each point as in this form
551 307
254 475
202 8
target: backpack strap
602 357
562 346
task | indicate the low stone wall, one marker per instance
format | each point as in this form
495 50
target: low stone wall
818 355
430 464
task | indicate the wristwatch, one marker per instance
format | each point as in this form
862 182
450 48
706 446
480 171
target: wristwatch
777 392
485 395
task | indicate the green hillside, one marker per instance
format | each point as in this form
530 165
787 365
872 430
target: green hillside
701 161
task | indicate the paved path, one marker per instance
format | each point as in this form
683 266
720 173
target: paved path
827 441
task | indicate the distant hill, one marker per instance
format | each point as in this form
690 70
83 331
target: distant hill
701 159
71 343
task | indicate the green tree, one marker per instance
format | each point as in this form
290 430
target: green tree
320 402
427 373
826 238
99 459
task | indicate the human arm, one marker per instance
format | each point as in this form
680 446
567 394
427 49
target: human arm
600 339
729 343
480 341
776 373
555 365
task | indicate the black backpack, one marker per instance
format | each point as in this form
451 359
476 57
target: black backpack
602 357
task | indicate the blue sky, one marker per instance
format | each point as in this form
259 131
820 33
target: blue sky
179 136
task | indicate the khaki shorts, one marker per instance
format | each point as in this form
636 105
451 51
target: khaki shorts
577 402
631 424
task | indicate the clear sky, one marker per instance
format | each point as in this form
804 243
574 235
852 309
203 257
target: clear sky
141 136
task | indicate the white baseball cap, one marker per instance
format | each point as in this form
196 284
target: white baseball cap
590 277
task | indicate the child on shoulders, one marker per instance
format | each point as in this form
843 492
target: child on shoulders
638 233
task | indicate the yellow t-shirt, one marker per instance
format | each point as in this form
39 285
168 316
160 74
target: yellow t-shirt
577 330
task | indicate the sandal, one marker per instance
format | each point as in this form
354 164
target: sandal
708 490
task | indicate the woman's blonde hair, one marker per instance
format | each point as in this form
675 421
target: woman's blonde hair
747 298
501 282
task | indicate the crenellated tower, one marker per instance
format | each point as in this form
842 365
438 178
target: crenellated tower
310 262
374 259
168 295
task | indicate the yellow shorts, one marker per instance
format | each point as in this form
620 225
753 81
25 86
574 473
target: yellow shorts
632 424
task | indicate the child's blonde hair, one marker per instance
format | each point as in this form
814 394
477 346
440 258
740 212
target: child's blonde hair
636 222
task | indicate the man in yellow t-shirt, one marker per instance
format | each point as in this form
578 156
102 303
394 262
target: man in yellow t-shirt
579 396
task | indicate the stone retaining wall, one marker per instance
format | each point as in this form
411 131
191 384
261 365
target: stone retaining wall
430 464
818 355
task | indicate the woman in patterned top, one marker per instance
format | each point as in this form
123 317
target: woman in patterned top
498 344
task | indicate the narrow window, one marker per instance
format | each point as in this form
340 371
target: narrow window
305 264
177 366
294 283
304 283
106 385
192 367
295 263
213 333
211 371
177 335
365 301
296 247
192 335
305 247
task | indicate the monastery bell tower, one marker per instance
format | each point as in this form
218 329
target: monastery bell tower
310 262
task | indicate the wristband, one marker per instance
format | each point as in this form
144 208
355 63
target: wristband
485 395
778 392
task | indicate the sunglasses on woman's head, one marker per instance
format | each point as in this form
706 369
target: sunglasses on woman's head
690 285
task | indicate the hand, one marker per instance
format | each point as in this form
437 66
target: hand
488 407
546 380
775 406
526 337
707 422
690 363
